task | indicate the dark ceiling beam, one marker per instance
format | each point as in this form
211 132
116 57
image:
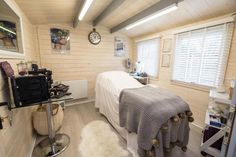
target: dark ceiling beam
110 8
78 8
145 13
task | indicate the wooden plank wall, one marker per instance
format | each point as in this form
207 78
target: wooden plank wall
231 68
197 98
17 141
85 60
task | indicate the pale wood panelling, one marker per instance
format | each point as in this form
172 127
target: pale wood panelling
126 10
231 68
189 11
49 11
17 141
95 9
85 60
197 99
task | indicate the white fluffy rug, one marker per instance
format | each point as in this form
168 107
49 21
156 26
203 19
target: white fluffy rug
98 140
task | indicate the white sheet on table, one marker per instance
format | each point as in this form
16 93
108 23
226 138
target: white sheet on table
108 88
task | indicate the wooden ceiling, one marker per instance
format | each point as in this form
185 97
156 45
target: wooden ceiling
49 11
189 11
5 10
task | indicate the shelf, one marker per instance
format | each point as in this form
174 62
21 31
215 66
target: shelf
207 121
207 145
64 98
213 151
220 97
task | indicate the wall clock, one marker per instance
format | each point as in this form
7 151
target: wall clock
94 37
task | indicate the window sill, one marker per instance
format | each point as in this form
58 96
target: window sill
154 78
11 55
191 86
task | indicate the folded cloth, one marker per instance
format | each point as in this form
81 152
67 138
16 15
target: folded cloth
144 110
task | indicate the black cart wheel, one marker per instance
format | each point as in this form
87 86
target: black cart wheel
184 149
203 153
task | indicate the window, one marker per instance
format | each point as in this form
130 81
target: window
148 55
201 55
11 35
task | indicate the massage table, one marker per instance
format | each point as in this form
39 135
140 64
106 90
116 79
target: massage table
109 86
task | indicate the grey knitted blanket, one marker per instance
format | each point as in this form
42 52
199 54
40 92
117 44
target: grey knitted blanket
144 110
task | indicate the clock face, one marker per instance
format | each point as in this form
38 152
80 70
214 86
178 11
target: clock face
94 37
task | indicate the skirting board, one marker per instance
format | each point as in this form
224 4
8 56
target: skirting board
196 128
79 102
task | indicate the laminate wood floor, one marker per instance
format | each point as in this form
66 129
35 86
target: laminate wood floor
76 117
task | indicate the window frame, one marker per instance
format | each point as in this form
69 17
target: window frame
192 84
4 54
155 78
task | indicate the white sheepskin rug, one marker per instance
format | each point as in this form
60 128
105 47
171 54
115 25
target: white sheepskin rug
98 140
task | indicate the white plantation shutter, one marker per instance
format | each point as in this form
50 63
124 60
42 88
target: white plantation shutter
148 51
201 55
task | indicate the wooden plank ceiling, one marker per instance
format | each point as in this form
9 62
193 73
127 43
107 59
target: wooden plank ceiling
189 11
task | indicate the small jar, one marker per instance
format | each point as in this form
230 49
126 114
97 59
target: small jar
22 68
29 65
